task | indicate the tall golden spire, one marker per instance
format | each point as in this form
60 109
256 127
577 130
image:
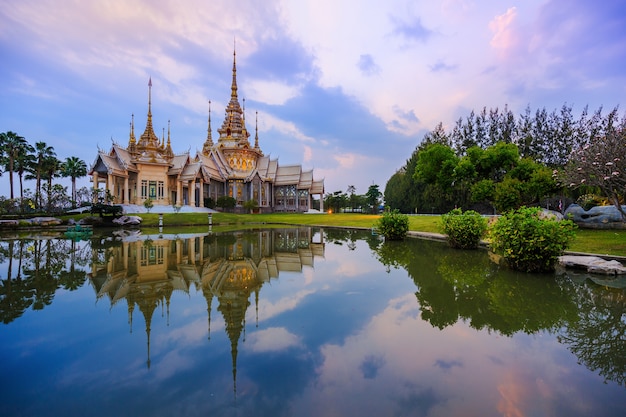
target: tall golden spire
233 129
149 139
256 132
168 149
208 144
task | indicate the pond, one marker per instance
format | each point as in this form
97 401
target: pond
299 322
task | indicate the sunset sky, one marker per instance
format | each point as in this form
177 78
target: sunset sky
346 87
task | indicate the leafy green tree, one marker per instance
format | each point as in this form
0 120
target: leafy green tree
373 197
336 201
73 167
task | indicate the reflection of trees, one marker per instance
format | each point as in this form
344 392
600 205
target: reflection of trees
597 337
42 267
455 284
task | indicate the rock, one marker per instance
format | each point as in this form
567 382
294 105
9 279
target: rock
44 221
592 264
551 215
8 223
127 220
598 216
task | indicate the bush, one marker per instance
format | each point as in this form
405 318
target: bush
393 225
464 230
529 243
226 202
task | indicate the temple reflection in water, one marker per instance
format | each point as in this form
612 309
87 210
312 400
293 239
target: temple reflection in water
145 270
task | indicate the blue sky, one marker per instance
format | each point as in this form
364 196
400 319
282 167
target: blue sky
348 88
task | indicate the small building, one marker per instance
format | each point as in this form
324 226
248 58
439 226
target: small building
148 169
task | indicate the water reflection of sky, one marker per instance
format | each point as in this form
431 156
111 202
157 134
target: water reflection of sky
343 337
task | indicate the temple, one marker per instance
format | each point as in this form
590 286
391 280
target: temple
148 169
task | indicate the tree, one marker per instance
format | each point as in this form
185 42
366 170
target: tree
24 163
50 170
13 145
42 153
73 167
602 163
373 195
336 201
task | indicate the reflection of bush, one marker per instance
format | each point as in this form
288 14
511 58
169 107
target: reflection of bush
454 284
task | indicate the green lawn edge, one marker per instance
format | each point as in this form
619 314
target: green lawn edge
611 242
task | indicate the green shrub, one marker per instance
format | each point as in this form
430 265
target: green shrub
464 230
528 242
148 204
393 225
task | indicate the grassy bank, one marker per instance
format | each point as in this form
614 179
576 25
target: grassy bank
605 242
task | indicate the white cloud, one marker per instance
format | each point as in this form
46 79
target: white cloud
272 340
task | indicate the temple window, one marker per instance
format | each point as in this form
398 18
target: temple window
152 189
144 189
160 190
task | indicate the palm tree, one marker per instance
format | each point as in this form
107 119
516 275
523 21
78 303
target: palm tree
73 167
49 170
43 151
12 145
24 162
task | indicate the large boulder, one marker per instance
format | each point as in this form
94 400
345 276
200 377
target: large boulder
44 221
596 217
592 264
127 220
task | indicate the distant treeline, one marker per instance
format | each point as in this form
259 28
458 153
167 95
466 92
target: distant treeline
493 160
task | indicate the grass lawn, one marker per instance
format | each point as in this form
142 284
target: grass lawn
605 242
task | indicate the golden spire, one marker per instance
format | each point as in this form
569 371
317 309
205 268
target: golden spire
233 129
208 144
233 86
168 150
256 132
132 139
149 139
132 142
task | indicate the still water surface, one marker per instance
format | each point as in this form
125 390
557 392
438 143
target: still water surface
299 322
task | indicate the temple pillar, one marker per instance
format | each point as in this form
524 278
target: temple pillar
125 191
95 186
322 202
111 185
201 202
192 190
179 193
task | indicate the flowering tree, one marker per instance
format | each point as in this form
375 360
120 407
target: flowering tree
602 163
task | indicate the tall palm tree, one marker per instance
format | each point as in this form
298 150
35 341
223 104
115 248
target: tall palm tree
49 170
73 167
42 152
24 162
12 144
